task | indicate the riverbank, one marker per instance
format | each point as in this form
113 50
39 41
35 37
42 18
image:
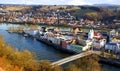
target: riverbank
58 47
110 61
42 51
45 41
62 25
90 62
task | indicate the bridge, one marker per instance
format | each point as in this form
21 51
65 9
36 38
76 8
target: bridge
74 57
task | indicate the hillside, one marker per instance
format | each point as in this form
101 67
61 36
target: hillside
104 13
87 12
12 8
79 11
16 8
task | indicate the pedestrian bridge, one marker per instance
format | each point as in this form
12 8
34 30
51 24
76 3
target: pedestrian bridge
74 57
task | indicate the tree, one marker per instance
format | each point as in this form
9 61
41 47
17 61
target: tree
14 60
93 16
88 63
72 68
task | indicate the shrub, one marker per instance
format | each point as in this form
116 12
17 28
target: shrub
14 60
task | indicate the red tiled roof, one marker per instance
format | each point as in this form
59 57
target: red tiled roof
96 34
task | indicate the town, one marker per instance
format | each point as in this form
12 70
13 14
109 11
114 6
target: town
59 15
47 37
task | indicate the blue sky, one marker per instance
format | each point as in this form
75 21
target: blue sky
60 2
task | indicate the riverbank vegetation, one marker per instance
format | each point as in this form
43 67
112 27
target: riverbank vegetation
18 29
14 60
88 63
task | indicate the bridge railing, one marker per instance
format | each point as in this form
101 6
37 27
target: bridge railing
74 57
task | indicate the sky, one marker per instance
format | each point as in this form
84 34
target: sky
60 2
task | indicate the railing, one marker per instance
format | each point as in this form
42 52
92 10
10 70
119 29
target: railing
74 57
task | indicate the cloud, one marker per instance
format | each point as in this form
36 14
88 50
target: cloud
51 2
103 1
78 2
60 2
46 2
17 2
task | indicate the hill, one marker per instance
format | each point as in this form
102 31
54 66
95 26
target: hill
102 12
78 11
105 5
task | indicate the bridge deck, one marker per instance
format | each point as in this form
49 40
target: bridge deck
74 57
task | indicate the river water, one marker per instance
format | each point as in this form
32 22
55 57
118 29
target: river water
41 50
20 42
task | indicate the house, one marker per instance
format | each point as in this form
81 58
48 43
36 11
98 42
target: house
117 22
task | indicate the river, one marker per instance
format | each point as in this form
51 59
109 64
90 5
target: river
42 51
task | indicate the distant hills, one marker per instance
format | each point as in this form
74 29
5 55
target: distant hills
105 5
